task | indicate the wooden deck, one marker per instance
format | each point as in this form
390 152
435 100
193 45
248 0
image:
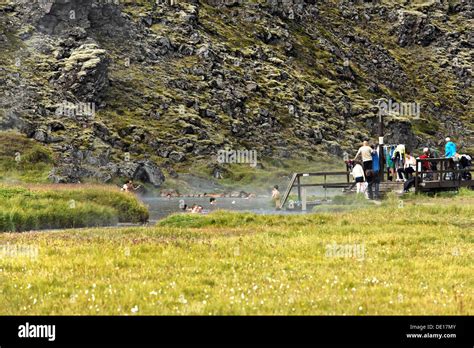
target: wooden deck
445 178
438 181
429 186
296 179
385 187
346 186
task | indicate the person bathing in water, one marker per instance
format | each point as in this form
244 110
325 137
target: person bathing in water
196 209
276 196
129 187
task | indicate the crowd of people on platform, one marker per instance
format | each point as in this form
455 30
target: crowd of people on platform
366 171
401 165
365 168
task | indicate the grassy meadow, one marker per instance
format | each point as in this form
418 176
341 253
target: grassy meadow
23 159
33 207
411 257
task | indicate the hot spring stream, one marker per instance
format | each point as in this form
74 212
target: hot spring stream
160 207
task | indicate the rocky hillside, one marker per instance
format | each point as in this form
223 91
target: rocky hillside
151 89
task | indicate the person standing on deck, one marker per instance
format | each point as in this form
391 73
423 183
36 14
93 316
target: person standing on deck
365 152
359 177
409 167
372 181
449 148
426 165
425 168
375 183
276 196
449 152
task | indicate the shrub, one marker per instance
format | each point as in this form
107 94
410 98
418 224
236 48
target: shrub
55 215
42 207
128 207
38 155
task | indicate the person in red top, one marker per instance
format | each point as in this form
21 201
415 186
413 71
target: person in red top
427 164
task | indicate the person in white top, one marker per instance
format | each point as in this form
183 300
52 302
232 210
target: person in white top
365 152
408 168
359 177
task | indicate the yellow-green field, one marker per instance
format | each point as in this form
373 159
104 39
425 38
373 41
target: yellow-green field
412 258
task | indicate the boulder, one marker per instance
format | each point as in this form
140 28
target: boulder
40 135
148 172
176 156
85 73
415 28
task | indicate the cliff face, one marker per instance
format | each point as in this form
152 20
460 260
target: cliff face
167 84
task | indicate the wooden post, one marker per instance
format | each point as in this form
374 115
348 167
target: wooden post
303 199
381 155
441 165
299 188
416 176
325 189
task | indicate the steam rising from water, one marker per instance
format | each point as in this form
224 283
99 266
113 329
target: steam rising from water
161 207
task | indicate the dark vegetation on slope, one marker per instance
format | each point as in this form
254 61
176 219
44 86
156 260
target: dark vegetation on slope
172 85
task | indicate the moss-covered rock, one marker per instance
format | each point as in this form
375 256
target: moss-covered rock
174 83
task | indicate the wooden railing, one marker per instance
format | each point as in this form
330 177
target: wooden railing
443 166
296 182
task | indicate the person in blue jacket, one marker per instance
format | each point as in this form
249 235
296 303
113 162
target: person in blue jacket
374 181
449 152
375 159
449 148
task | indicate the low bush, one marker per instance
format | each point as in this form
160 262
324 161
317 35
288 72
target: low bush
43 207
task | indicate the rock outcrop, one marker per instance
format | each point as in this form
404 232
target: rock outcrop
85 73
171 83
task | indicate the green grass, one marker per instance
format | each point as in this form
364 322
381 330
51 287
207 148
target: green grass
23 159
417 260
345 203
65 206
127 206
